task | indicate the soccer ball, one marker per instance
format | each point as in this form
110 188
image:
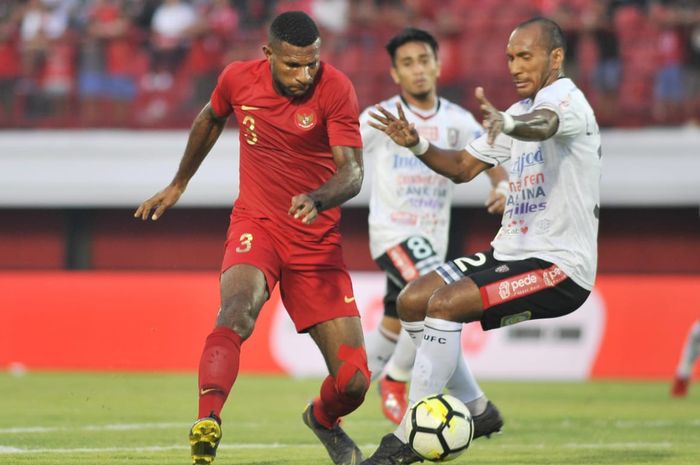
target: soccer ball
439 428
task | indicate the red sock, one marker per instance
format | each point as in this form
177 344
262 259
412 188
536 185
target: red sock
331 405
218 369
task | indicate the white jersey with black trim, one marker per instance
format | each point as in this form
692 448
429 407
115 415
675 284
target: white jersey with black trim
553 203
408 198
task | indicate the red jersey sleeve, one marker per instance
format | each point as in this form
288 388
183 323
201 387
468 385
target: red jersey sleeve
221 97
342 112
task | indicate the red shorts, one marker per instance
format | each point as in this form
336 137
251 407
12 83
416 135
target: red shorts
314 283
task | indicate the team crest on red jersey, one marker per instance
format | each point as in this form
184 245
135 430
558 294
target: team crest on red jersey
305 118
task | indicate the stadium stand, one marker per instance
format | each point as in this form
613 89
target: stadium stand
152 63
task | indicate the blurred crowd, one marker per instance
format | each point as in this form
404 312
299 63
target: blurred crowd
153 63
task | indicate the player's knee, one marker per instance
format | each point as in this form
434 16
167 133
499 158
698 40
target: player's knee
353 378
411 303
238 313
355 387
440 306
446 305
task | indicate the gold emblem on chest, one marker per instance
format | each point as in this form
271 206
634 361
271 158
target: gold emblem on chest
305 118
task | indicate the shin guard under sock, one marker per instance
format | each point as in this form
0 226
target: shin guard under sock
218 369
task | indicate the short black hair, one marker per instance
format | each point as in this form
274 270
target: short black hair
551 32
294 27
410 34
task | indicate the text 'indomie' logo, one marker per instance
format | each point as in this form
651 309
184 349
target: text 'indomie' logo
527 159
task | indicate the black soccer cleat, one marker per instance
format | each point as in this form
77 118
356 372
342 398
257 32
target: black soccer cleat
488 422
205 436
392 451
340 447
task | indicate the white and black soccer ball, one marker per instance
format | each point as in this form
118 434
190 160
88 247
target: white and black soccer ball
439 428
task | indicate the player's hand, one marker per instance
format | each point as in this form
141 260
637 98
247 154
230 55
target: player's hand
496 201
303 208
399 129
493 119
159 203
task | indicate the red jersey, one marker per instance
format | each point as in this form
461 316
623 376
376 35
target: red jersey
285 143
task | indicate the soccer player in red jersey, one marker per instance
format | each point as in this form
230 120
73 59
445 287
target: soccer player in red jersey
300 159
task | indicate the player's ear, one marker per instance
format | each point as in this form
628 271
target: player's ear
438 67
557 57
267 50
394 74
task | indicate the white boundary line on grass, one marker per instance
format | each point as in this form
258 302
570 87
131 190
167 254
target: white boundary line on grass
7 450
619 424
19 450
107 427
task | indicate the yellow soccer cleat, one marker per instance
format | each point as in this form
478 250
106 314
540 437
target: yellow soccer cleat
205 436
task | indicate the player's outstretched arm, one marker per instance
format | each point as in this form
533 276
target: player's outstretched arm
536 125
458 165
205 131
342 186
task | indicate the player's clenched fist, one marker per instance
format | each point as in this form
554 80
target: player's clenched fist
304 208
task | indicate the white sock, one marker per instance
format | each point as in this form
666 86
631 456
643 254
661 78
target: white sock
436 359
379 344
401 362
464 386
690 353
414 330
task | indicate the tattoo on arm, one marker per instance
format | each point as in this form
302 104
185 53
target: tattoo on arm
345 183
538 125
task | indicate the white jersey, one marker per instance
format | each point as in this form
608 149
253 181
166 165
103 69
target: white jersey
407 197
552 208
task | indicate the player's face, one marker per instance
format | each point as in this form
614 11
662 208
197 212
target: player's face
293 68
416 69
530 62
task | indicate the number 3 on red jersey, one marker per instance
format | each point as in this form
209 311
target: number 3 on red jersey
246 243
249 134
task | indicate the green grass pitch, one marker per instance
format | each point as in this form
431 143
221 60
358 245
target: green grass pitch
120 418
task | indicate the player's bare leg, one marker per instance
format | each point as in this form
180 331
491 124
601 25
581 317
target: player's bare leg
243 292
341 343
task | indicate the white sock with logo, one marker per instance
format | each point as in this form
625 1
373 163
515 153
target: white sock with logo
379 344
462 384
401 362
690 353
436 359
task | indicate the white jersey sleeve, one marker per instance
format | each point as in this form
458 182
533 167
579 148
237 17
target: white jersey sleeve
571 122
496 154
